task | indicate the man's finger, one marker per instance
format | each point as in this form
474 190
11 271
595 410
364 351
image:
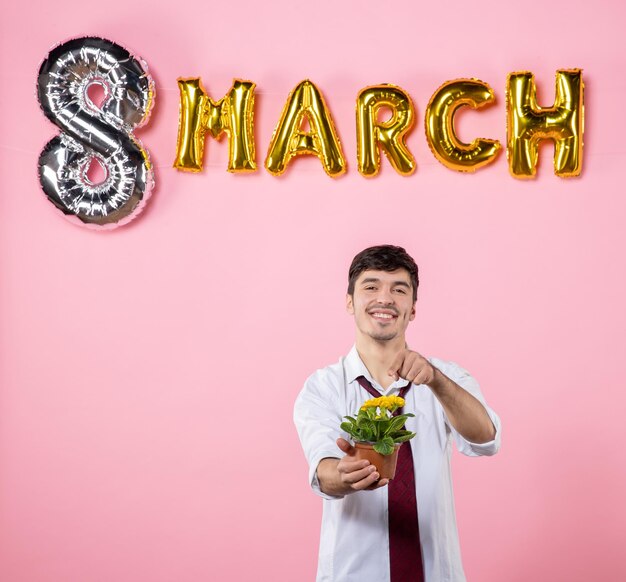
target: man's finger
425 375
408 365
379 483
414 371
356 477
396 364
367 482
346 466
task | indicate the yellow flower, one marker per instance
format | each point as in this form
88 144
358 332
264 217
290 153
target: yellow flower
371 403
384 402
392 401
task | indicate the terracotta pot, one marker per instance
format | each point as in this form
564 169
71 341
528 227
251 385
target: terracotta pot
385 464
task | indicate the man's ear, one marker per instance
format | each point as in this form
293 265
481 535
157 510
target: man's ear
349 304
412 316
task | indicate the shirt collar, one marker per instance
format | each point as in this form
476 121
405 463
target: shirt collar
355 367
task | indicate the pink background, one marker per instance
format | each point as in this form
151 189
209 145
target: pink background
147 375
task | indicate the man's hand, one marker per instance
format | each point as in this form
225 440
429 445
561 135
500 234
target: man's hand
347 475
412 367
466 414
358 475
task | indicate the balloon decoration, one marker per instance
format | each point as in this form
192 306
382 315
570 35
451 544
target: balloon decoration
389 134
95 132
232 115
528 124
439 124
102 132
290 140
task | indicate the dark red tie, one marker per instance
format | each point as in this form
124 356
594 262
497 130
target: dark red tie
405 556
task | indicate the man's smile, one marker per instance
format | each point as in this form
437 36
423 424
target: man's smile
384 315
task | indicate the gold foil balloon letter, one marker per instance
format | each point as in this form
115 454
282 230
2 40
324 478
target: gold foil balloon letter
290 140
528 124
389 134
440 133
231 115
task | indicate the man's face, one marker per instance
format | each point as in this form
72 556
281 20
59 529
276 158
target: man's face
382 303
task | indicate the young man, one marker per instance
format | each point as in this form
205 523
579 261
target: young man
374 530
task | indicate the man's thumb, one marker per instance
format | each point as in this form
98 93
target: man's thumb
345 446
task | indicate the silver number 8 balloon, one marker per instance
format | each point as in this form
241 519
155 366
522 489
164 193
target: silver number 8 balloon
89 131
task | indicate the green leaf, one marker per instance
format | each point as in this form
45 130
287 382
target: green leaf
351 419
385 446
396 423
366 423
402 438
366 435
382 426
361 416
398 433
404 416
348 427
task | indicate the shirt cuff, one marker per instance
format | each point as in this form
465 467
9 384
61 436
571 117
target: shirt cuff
314 481
483 449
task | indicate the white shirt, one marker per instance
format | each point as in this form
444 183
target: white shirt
354 543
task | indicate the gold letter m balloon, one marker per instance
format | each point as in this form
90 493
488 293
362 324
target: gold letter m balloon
231 115
528 124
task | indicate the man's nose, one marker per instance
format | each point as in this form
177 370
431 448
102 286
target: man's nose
384 296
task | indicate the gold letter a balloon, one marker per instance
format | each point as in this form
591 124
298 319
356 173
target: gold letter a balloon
289 140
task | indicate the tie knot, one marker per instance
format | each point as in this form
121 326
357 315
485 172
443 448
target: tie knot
367 385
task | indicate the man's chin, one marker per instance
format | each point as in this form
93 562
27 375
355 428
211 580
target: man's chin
383 337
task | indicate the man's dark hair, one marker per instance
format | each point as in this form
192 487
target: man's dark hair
383 258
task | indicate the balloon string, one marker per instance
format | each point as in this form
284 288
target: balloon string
283 96
14 149
261 167
205 164
307 170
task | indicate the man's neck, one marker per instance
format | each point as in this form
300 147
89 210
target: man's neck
378 357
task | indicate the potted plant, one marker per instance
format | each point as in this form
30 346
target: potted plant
377 434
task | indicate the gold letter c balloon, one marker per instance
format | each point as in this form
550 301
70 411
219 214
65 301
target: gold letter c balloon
440 133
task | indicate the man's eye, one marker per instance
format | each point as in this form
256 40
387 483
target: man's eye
401 290
370 288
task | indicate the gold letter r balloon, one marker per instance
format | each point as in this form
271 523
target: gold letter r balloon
390 134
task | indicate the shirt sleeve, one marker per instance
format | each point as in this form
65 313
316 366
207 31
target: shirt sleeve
317 418
463 378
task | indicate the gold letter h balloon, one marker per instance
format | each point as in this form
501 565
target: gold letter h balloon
528 124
